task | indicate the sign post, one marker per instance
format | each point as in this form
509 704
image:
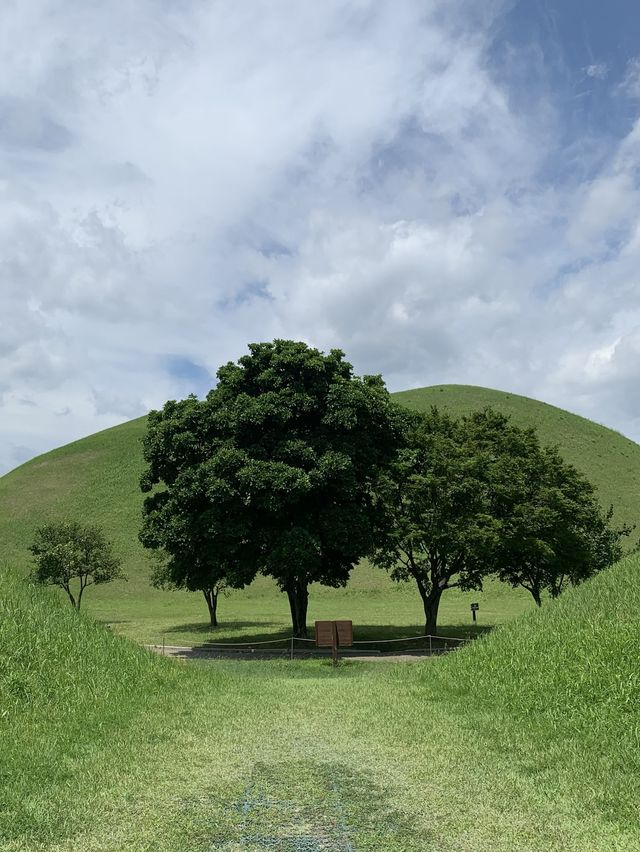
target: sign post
334 642
474 608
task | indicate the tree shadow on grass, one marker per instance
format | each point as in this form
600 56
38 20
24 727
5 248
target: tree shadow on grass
382 632
370 641
361 632
225 626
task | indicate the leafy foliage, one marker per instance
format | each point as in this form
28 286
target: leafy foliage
272 472
476 496
556 533
73 556
608 460
438 520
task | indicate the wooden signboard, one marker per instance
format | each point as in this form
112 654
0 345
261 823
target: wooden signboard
324 634
334 634
345 633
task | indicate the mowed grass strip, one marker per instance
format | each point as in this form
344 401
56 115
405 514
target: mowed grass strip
526 740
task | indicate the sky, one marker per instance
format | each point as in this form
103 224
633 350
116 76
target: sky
447 190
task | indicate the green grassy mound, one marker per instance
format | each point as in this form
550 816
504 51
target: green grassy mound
96 480
560 691
528 739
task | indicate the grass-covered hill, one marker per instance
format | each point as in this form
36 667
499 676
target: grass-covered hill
96 479
528 739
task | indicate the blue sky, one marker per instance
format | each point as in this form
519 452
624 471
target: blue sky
583 49
448 190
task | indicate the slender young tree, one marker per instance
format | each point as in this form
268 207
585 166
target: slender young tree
167 574
273 472
73 556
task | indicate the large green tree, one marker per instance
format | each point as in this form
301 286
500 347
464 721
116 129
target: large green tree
273 472
437 520
480 496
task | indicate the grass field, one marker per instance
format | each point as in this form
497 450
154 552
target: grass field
96 479
529 739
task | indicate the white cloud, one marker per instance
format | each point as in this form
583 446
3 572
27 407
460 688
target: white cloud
598 70
181 179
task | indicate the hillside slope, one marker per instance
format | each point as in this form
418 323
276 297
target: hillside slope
95 479
528 739
73 700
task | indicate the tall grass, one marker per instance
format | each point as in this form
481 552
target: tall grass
562 689
69 690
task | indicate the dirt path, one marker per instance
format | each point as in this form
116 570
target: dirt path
201 652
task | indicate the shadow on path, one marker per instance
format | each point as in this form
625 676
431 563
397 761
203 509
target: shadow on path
308 806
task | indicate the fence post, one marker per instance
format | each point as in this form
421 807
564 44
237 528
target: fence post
292 647
430 648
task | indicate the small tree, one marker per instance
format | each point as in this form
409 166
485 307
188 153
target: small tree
72 556
556 533
168 573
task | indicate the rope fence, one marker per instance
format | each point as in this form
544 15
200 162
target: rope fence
291 646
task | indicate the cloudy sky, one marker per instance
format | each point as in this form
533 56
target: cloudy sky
448 191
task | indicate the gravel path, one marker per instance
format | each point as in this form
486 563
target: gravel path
201 652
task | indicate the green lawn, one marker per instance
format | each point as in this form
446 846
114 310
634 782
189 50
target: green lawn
526 740
378 608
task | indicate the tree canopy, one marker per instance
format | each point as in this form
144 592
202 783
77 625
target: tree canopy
478 496
273 472
556 533
73 556
436 520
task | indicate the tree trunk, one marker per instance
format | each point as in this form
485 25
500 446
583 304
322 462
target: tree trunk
535 594
75 604
298 595
80 592
211 597
431 604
